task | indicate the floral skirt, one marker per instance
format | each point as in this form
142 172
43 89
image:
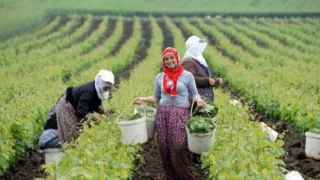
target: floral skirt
206 93
172 137
68 123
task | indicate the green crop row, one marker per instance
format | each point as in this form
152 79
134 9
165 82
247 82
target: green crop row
106 157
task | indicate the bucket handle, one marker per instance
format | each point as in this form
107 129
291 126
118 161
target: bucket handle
123 111
155 102
131 105
145 110
191 114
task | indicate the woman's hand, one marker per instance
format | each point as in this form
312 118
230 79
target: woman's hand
201 103
212 82
107 111
137 100
93 117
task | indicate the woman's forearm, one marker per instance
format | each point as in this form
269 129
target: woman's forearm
150 99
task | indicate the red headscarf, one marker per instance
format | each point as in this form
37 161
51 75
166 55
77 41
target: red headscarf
171 76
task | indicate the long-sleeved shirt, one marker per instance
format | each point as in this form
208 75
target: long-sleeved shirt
201 74
84 99
186 88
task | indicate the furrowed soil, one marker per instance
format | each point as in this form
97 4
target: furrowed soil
29 166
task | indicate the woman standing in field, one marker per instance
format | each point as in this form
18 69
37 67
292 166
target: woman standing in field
173 89
76 104
194 62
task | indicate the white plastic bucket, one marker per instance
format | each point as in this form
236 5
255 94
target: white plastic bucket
134 130
52 154
271 134
312 148
151 126
293 175
199 143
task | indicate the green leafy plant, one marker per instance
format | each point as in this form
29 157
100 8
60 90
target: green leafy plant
150 114
316 128
210 111
219 82
136 116
199 124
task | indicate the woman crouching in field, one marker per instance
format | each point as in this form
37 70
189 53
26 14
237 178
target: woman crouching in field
75 105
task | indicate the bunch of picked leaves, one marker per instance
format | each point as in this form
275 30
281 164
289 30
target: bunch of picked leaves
151 114
219 82
148 113
135 116
199 124
210 111
316 128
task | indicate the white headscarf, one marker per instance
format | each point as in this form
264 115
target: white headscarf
103 79
195 47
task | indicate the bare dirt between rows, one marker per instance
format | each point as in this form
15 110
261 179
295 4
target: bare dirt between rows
152 168
295 157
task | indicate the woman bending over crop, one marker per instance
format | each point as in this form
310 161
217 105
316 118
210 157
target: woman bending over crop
173 89
74 105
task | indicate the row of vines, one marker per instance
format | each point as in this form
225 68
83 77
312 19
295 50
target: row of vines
273 67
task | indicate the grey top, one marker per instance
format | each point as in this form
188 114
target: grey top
186 87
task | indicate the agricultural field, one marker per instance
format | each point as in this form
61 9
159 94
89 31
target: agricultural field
17 17
270 65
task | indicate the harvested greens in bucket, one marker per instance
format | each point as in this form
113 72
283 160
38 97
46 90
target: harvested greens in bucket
135 117
199 124
141 114
150 114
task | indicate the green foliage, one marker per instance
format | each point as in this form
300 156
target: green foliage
316 126
135 116
148 113
151 114
98 154
198 124
17 17
211 110
240 150
219 82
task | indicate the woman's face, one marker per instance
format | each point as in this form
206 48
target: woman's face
170 61
107 88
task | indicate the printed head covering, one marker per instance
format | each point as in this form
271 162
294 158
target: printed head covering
195 47
103 79
170 78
